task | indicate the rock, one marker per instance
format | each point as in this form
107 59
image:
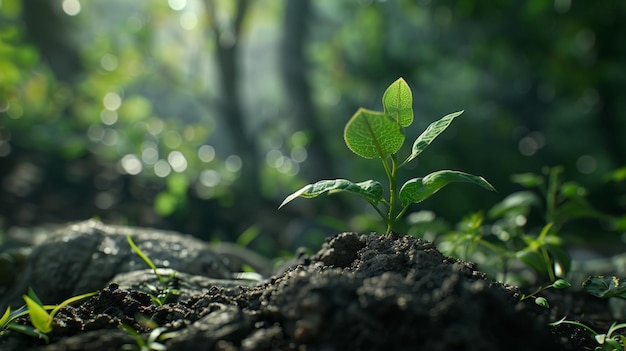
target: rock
86 256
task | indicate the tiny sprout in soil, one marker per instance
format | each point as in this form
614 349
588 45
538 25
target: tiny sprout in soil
606 342
373 134
159 294
40 318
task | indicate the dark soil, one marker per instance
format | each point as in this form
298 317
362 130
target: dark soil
358 292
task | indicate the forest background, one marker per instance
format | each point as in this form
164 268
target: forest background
201 116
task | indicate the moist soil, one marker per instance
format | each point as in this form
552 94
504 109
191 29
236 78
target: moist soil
358 292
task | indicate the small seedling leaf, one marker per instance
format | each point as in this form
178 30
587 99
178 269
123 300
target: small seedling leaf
528 180
5 317
371 134
140 253
431 132
541 301
561 284
38 315
605 287
419 189
371 190
518 203
398 103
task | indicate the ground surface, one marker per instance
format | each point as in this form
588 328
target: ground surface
358 292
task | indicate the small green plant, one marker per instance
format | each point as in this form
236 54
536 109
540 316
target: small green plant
373 134
605 287
40 318
154 341
542 301
607 341
162 293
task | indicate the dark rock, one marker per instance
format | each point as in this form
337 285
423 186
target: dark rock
85 256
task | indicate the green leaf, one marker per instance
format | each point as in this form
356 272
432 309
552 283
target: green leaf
518 203
371 190
69 301
427 137
5 317
371 134
140 253
419 189
38 315
561 283
398 102
528 180
541 301
605 287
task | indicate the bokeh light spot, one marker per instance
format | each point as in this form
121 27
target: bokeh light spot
150 155
71 7
172 139
109 62
272 157
108 117
177 5
210 178
528 146
112 101
586 164
178 161
188 20
131 164
162 168
299 154
233 163
95 133
206 153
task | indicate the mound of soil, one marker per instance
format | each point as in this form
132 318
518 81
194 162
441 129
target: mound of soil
358 292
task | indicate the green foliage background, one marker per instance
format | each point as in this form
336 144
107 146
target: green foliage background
201 116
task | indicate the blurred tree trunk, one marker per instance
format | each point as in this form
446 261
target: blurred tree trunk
227 40
298 90
49 30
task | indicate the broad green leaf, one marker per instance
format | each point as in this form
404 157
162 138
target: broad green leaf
371 134
427 137
605 287
38 315
371 190
398 103
419 189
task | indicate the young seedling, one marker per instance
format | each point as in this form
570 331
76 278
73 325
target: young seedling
373 134
158 294
154 341
540 300
40 318
607 341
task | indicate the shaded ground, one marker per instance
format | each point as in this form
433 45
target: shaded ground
358 292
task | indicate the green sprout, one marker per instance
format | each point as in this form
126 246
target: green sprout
373 134
154 341
542 301
159 294
40 318
607 341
